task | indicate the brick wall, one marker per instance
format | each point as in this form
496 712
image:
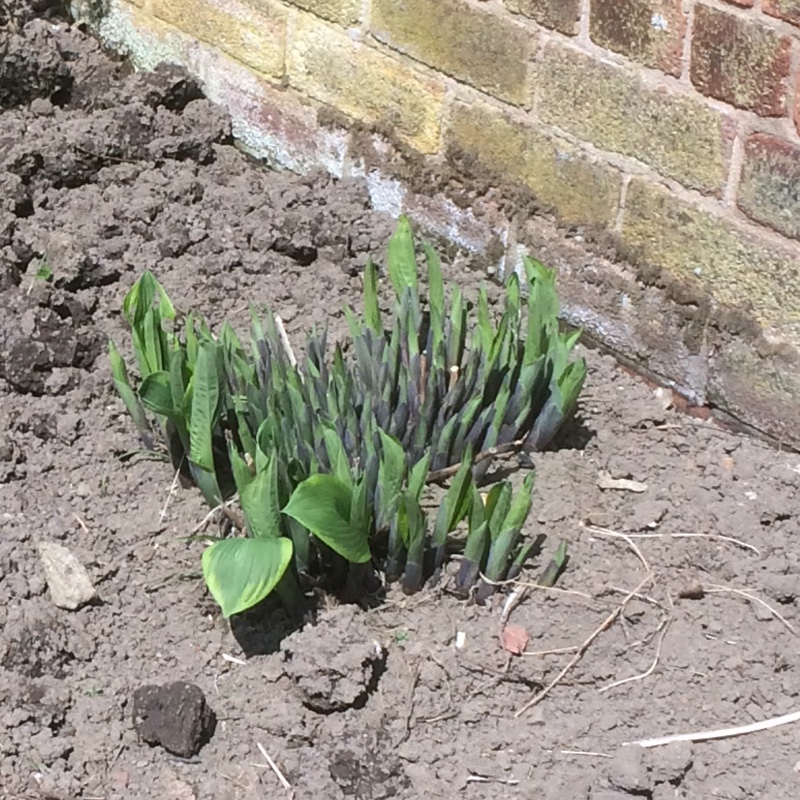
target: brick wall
648 148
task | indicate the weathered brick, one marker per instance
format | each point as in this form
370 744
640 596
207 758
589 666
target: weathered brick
742 3
345 12
365 84
610 107
739 61
648 31
738 268
770 188
482 49
563 15
761 389
580 191
784 9
255 37
797 104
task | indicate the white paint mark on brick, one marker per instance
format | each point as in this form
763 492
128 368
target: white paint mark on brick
386 194
659 22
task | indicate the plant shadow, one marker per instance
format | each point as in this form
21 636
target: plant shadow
260 630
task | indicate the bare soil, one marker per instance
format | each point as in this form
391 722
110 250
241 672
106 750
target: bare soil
106 173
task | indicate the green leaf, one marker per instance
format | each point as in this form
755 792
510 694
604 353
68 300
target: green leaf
177 376
413 525
456 333
504 542
435 281
401 258
360 516
323 504
391 474
543 308
242 475
44 273
497 504
456 503
555 567
119 374
340 465
521 505
261 504
240 573
372 313
484 329
156 394
418 475
205 402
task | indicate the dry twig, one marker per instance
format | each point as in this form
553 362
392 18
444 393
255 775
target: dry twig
442 474
720 733
607 623
274 767
714 588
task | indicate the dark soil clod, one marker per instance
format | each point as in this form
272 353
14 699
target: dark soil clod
174 716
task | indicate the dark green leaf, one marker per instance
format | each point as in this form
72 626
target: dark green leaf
372 314
204 407
156 394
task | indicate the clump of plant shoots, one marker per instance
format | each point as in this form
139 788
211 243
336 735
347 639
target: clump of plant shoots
330 457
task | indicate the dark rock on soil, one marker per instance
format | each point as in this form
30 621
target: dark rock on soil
175 716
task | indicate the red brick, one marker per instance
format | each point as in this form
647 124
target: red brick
784 9
740 62
648 31
562 15
768 192
797 104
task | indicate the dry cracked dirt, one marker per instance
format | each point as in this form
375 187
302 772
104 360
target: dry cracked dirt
106 173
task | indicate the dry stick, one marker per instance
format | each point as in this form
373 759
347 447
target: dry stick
170 494
287 345
607 623
716 589
649 671
558 651
274 767
721 733
585 753
492 452
616 535
714 536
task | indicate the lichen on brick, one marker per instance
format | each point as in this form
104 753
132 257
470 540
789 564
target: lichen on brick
562 15
559 175
365 84
740 269
769 191
485 50
648 31
739 61
611 107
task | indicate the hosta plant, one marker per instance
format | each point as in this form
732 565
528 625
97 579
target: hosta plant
331 458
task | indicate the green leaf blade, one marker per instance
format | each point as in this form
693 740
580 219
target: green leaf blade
323 504
240 573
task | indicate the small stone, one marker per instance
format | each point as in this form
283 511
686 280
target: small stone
175 716
69 583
